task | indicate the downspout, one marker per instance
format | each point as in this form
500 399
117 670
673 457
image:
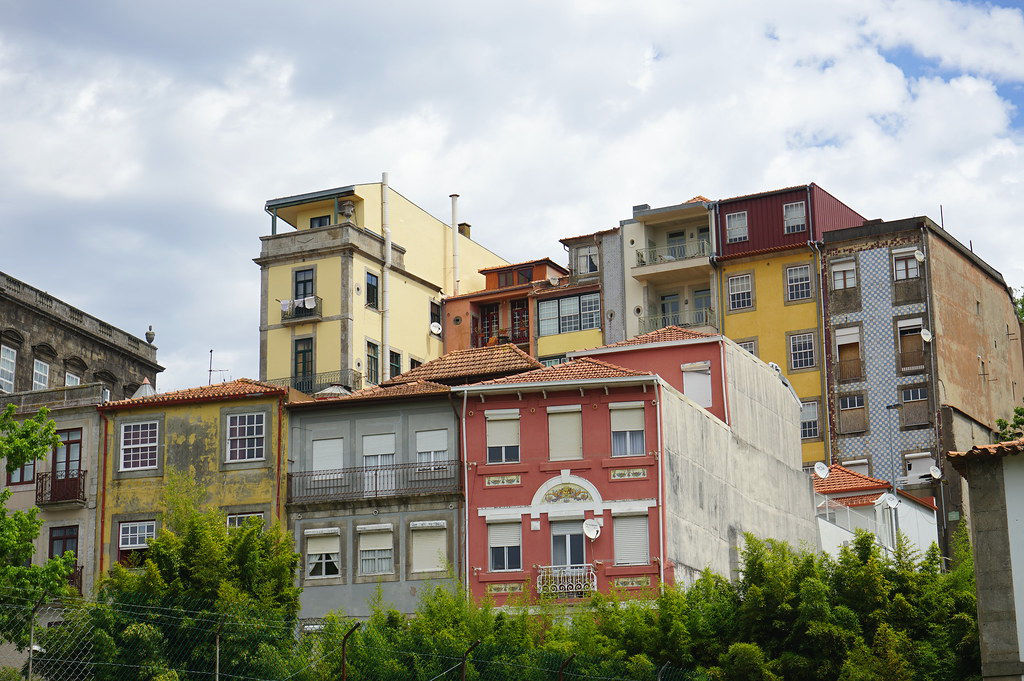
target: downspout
661 491
826 354
725 386
463 531
933 360
455 243
103 489
385 311
717 279
280 423
465 483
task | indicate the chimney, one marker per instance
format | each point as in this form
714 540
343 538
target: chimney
464 229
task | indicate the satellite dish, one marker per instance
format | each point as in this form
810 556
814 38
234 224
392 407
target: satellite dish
919 256
890 500
435 328
935 472
821 470
591 529
926 335
553 281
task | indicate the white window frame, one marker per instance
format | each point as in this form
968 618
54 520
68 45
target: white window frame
261 448
138 539
500 415
40 375
807 432
857 398
794 225
433 459
505 547
905 256
379 556
238 519
589 256
321 559
793 351
791 283
918 394
735 290
849 270
8 366
134 448
750 346
631 435
733 229
71 379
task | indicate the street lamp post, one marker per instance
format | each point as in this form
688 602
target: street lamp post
892 478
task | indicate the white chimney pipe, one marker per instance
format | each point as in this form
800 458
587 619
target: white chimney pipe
385 312
455 244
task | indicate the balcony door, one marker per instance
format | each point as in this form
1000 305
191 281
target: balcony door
379 464
670 309
488 323
302 365
63 539
520 321
702 306
67 462
676 245
567 546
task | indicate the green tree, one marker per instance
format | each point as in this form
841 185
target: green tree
1012 429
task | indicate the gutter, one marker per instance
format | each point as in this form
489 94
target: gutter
661 491
644 346
555 385
826 354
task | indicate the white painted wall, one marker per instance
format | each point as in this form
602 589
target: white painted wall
918 523
1013 481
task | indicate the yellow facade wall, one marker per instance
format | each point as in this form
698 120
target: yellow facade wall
561 343
192 442
772 319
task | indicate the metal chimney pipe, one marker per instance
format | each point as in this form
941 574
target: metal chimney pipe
455 244
385 310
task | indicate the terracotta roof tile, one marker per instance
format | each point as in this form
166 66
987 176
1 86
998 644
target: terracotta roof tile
541 261
664 335
584 368
470 363
857 500
1011 447
699 197
387 392
242 387
841 479
759 251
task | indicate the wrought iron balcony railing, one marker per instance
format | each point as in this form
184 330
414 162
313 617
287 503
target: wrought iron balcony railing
314 383
60 488
566 581
372 482
75 579
912 359
704 316
301 309
516 335
655 256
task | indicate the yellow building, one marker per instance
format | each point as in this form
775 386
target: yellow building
351 285
230 438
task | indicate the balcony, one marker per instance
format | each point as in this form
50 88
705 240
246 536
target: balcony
302 310
52 489
314 383
517 335
912 360
666 264
850 370
704 316
853 420
915 413
566 581
374 482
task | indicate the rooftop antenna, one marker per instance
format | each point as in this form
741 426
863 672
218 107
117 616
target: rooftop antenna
209 374
942 220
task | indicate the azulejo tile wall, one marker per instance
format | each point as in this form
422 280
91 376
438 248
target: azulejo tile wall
884 444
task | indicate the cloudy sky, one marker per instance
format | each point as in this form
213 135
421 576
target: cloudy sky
139 140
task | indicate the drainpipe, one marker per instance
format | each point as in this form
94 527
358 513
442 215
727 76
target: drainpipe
455 243
103 489
725 386
385 311
465 483
280 434
826 353
936 384
661 490
716 250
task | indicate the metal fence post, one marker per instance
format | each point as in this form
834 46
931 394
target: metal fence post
462 671
564 665
344 653
32 633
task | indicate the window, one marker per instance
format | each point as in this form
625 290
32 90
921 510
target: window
852 414
303 283
302 366
429 548
24 475
8 360
134 538
435 312
844 275
319 221
736 227
632 540
794 215
413 363
504 543
697 382
72 379
911 344
801 350
905 266
914 394
514 277
63 539
565 432
139 445
432 446
40 375
740 294
798 282
567 543
851 402
372 363
502 435
586 260
565 315
750 346
323 556
809 420
627 420
372 289
395 365
245 437
328 454
239 519
848 354
376 553
552 361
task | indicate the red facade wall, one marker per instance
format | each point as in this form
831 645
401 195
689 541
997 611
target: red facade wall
831 213
535 468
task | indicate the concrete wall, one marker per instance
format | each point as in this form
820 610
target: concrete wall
613 287
722 481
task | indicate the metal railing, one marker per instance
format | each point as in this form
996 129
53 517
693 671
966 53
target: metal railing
566 581
300 309
846 518
655 256
372 482
314 383
912 359
850 369
704 316
516 335
60 488
69 396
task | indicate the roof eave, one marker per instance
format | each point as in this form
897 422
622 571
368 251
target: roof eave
644 346
310 197
555 385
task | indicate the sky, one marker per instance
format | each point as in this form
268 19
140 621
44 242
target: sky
140 140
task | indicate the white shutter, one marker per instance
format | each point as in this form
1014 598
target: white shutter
632 542
429 550
329 544
850 334
375 541
502 433
504 534
328 454
432 441
628 419
697 382
378 444
567 527
909 323
565 435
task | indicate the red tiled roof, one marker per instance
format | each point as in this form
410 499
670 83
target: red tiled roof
541 261
386 392
1012 447
858 500
489 291
663 335
699 197
470 363
842 479
242 387
584 368
760 251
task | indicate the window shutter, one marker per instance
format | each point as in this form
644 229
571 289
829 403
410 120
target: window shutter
429 550
504 534
378 444
432 441
632 542
502 433
628 419
697 382
375 541
567 527
848 335
565 435
328 454
330 544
